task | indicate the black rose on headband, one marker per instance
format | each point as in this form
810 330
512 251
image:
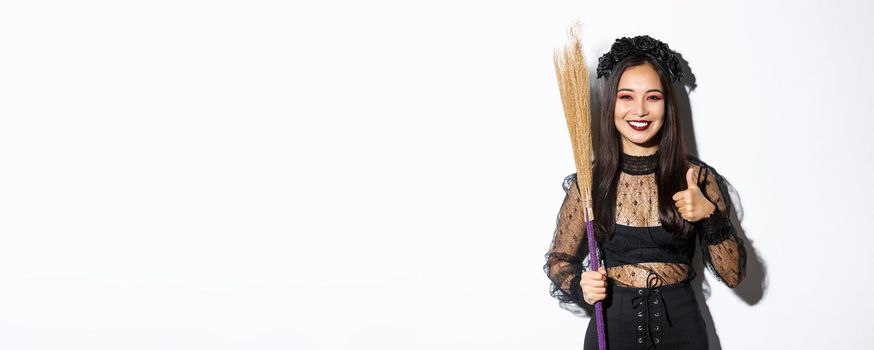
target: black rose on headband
640 45
621 48
645 43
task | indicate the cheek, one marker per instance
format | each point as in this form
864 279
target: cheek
660 117
619 122
661 110
619 111
619 115
659 125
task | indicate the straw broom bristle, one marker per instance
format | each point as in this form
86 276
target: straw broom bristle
573 81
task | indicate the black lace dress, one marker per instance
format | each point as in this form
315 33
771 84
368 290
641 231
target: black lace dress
650 303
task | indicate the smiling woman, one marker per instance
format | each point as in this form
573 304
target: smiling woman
651 202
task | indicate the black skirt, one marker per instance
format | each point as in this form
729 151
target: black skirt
666 317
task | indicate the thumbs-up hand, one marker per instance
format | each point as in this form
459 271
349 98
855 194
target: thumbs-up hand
691 203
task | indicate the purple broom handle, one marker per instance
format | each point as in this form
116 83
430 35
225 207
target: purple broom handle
594 263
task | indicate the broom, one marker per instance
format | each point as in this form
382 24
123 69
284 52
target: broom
573 82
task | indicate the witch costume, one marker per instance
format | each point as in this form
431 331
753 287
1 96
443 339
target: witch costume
650 302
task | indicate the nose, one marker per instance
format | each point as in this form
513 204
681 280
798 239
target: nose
640 109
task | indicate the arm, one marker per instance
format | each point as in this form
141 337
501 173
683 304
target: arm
721 248
568 249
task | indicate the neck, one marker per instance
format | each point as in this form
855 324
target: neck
638 150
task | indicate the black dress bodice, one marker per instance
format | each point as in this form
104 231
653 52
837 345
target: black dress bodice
640 248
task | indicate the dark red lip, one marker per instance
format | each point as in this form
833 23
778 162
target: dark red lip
648 123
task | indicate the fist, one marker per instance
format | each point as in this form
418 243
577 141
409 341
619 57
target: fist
691 203
594 285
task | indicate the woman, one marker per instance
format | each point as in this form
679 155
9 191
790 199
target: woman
651 201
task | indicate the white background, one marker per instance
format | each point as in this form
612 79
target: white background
386 175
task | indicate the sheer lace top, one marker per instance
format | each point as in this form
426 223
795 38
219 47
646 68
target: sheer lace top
641 253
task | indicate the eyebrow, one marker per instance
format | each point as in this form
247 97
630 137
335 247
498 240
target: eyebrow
632 90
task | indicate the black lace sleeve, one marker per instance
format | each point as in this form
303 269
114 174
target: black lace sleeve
564 260
721 248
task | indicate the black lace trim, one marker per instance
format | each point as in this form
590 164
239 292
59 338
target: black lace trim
715 228
639 165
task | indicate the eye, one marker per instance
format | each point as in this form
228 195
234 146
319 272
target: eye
655 98
623 97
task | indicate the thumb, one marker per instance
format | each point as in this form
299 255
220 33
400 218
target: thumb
691 178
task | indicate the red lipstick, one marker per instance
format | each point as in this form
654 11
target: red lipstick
639 125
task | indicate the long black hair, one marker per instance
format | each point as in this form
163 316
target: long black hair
672 166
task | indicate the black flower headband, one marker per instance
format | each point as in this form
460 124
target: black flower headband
640 45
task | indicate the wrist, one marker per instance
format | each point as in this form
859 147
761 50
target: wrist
715 228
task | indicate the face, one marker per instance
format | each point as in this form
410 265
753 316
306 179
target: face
640 109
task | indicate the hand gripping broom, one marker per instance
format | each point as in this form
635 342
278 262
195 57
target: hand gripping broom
573 82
